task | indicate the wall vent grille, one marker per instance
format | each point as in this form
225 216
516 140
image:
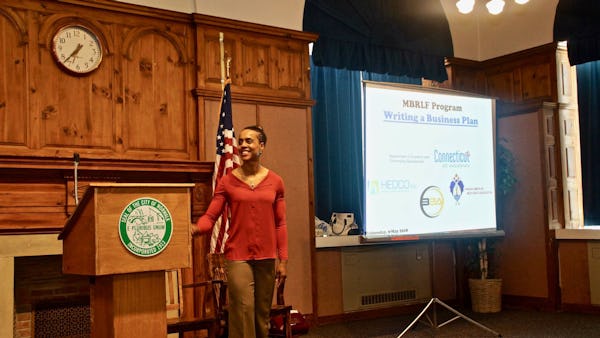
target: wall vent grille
388 297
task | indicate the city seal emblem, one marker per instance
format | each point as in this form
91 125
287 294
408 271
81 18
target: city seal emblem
145 227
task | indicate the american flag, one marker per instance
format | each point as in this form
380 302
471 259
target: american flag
226 160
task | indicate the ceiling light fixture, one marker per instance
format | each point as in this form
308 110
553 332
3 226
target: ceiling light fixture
494 7
465 6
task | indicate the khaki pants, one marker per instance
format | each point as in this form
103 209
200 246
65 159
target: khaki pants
250 286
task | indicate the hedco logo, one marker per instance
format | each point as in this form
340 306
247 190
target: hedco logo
145 227
432 201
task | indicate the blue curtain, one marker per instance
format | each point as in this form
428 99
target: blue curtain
337 139
588 90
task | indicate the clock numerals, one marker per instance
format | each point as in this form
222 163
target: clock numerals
77 49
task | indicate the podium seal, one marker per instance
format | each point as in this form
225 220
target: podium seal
145 227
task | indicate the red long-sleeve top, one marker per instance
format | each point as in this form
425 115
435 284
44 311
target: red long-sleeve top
257 228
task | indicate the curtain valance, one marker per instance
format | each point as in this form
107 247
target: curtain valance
409 37
578 23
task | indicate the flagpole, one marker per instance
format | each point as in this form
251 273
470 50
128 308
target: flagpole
227 153
222 49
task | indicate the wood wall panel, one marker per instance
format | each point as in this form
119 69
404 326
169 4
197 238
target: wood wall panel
467 80
35 206
536 80
289 70
501 86
522 251
16 195
523 77
575 277
265 62
256 64
36 195
155 96
286 153
13 85
328 272
74 115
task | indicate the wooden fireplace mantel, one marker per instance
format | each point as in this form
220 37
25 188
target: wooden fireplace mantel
37 193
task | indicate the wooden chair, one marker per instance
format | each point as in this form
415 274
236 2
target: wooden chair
281 310
216 264
183 322
216 271
173 293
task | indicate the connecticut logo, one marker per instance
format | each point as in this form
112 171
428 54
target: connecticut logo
432 201
145 227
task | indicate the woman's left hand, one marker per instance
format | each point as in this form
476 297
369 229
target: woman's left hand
282 269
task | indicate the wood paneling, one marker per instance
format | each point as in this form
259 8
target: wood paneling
290 142
256 64
502 86
13 87
527 76
36 194
147 114
536 80
574 278
129 305
328 272
522 251
135 105
266 62
155 95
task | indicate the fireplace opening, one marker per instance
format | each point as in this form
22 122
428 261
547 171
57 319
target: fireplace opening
49 303
62 320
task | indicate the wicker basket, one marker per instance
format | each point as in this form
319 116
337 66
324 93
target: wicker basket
486 295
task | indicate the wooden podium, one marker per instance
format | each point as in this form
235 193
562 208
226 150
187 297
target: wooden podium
124 236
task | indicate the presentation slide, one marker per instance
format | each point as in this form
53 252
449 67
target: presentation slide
429 162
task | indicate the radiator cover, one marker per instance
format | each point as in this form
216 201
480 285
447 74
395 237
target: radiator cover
385 276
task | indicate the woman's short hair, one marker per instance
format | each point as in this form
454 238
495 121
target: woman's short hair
262 137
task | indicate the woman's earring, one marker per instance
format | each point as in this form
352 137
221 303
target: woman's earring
260 153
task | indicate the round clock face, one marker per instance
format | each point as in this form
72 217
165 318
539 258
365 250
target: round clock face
77 49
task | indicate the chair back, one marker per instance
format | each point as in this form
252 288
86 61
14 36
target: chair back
216 266
173 293
280 287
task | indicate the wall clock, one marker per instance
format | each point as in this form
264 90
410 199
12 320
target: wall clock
77 49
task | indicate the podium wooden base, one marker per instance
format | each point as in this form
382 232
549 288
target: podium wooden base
129 305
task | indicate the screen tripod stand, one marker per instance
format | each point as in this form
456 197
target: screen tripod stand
432 321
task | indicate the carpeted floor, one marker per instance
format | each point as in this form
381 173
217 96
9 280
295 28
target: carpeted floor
507 323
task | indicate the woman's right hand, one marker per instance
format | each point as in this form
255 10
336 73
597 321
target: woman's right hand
194 230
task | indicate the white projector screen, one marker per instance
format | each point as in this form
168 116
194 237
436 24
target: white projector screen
429 163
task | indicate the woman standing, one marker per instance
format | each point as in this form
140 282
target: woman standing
257 236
